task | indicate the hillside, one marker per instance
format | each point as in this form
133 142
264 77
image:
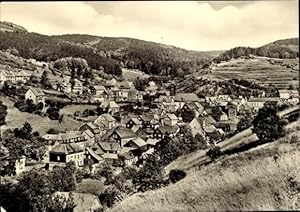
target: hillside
146 56
110 53
282 73
286 48
263 178
11 27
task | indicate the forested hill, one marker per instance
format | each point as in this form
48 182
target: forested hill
287 48
149 57
108 53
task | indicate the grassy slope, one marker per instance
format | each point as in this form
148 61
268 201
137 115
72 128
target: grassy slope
249 181
258 70
16 118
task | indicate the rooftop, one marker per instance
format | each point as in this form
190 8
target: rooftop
66 148
187 97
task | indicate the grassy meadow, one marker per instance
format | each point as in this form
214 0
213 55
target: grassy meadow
264 178
16 118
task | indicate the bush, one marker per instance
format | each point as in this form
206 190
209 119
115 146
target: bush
176 174
214 153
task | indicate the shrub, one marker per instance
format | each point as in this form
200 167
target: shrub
214 152
176 174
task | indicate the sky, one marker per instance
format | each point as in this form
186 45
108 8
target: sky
192 25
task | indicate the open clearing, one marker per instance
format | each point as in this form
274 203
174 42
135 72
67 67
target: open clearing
16 118
132 74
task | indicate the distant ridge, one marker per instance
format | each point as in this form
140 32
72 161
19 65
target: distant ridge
11 27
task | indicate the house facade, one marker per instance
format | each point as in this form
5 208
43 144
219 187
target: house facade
36 95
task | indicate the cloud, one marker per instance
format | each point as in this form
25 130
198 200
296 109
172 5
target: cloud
190 25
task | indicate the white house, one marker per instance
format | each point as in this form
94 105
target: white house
35 94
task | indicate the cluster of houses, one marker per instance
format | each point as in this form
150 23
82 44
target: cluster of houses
7 75
135 136
108 90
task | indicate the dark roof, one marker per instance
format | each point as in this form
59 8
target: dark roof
168 129
147 117
187 97
125 133
109 146
67 148
264 99
37 91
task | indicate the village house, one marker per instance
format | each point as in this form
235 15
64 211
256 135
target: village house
67 137
20 165
240 103
123 91
136 143
166 103
133 122
120 135
103 150
162 131
182 98
92 132
99 92
110 106
20 76
106 120
202 125
63 153
292 96
35 94
257 103
78 87
169 119
194 106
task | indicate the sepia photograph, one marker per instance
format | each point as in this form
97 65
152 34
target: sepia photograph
149 106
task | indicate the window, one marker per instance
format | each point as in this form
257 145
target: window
58 158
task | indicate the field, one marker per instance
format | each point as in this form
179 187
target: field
251 181
131 75
16 118
259 70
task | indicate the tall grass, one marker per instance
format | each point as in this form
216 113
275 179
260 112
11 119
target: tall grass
267 178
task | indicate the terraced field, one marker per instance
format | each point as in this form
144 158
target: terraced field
259 70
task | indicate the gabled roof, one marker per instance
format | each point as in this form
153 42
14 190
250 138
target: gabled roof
147 117
109 146
37 91
263 99
109 104
209 129
152 141
171 116
105 117
194 105
168 129
92 126
186 97
99 87
66 148
124 85
125 133
135 128
138 141
136 121
89 133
